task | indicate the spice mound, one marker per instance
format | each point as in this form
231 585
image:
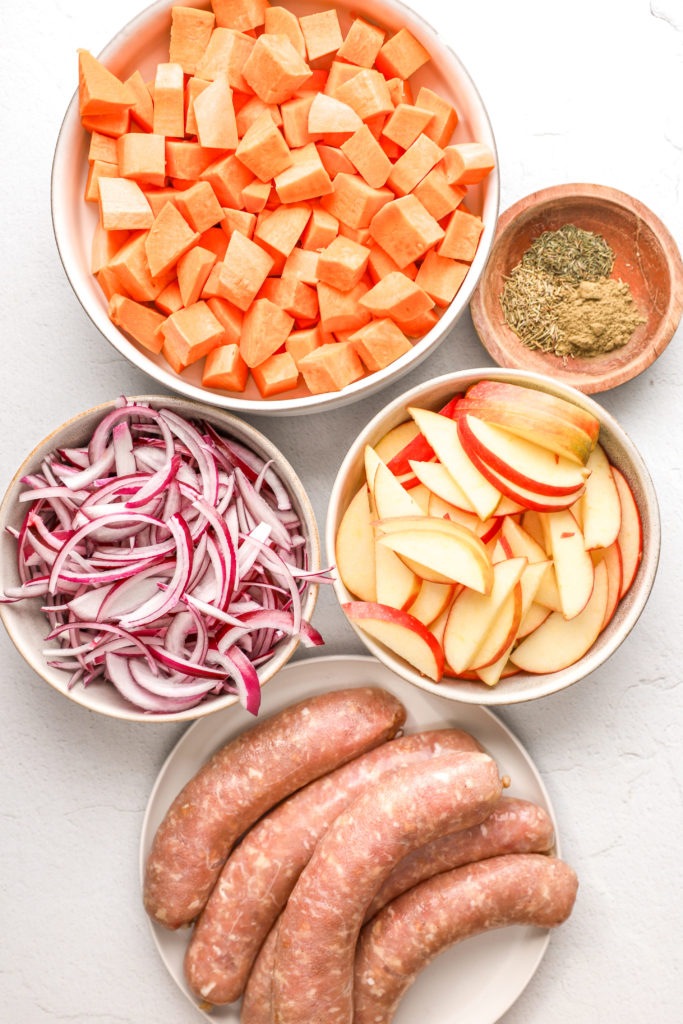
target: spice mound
560 297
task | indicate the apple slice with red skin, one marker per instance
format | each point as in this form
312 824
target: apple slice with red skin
630 539
395 440
485 531
528 585
535 617
500 638
522 462
390 498
431 601
401 633
395 583
573 564
528 499
445 557
418 448
524 398
611 556
560 642
436 477
600 504
355 548
531 522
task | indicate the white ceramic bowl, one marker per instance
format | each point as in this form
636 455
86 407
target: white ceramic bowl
621 452
27 626
142 44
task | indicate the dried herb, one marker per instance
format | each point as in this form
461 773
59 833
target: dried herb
570 253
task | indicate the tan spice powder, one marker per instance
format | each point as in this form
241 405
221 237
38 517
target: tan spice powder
594 317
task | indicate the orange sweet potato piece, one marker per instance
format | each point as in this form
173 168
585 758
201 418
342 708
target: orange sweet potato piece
264 329
169 301
104 245
331 367
295 297
467 163
405 230
142 111
295 117
123 206
263 149
414 165
193 269
281 22
282 229
190 33
169 237
368 157
242 15
303 265
328 116
131 268
362 44
141 322
401 56
437 196
194 88
276 374
169 101
419 325
96 170
405 125
199 206
441 277
322 33
215 240
338 75
342 311
229 317
274 70
253 108
113 124
334 161
380 264
109 283
255 195
100 91
189 335
343 263
228 176
305 179
214 115
142 156
187 160
367 93
244 269
444 117
238 220
224 368
300 343
462 236
400 91
102 148
398 297
322 227
354 202
226 53
379 343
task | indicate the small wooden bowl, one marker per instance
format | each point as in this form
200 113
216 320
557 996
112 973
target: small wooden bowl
646 258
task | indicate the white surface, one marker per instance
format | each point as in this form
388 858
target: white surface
465 970
582 92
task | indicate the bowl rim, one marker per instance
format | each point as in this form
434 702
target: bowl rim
541 685
261 444
307 403
494 340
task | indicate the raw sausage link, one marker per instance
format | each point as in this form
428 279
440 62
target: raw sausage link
245 779
257 1002
514 826
313 975
261 872
530 889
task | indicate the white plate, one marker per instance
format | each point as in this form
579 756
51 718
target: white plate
482 976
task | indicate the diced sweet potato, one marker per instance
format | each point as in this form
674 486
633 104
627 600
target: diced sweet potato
123 206
113 124
193 269
398 297
467 163
169 101
295 297
414 165
368 157
131 268
96 170
109 283
228 316
419 325
405 230
189 335
238 220
241 15
99 91
102 148
187 160
401 56
303 265
353 202
255 195
462 237
190 33
300 343
214 115
322 227
342 311
263 149
264 329
342 264
334 161
245 268
281 22
276 374
224 368
380 264
437 196
228 176
367 93
215 240
199 206
282 229
104 245
444 117
322 34
142 156
274 70
141 322
339 73
226 53
405 125
331 367
251 110
441 277
169 237
295 120
142 111
169 300
329 116
362 44
305 179
379 343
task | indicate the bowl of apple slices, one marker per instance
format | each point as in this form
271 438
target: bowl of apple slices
496 536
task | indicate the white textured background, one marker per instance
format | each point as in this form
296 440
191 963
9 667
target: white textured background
587 91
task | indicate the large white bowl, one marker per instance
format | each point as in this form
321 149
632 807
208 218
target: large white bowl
621 452
142 44
27 626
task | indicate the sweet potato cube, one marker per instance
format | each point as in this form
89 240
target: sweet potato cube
142 111
264 329
102 148
169 237
437 196
238 220
441 277
462 237
190 33
305 179
215 240
414 165
193 270
109 283
169 300
419 325
361 236
141 322
142 156
226 53
398 297
406 124
104 245
444 117
367 93
199 206
467 163
263 149
189 335
331 367
401 56
295 297
281 22
96 170
123 206
338 75
343 263
229 317
303 265
224 368
282 229
211 289
368 157
329 116
245 268
354 202
405 230
274 70
255 195
113 124
252 109
100 91
300 343
334 161
227 177
276 374
362 44
295 119
322 34
400 91
379 343
131 268
322 227
342 311
169 101
214 115
187 160
380 264
242 15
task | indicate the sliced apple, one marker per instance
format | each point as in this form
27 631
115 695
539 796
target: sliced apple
448 555
442 435
473 615
500 638
518 460
548 593
389 496
531 522
560 642
507 507
355 548
536 615
484 530
529 499
600 504
421 495
611 556
630 539
573 564
431 601
521 542
418 448
528 399
401 524
395 440
491 672
401 633
395 583
436 477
